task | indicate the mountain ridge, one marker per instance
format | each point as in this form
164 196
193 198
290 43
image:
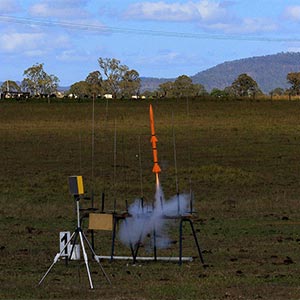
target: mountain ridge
269 71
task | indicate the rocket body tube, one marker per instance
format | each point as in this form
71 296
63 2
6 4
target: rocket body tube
156 168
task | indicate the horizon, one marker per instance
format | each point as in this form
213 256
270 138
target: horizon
163 78
159 39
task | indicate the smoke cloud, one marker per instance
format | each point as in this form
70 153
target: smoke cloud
145 220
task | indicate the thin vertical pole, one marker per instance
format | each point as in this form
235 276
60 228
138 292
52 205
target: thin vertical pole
187 107
93 156
93 140
175 165
126 181
104 135
115 165
80 153
189 159
141 173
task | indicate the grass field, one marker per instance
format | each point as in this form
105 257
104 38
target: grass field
240 158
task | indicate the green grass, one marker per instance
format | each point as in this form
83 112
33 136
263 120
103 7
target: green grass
241 160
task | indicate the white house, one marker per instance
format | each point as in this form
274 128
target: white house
108 96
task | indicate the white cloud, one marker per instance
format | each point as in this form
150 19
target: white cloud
203 10
68 14
252 25
72 55
209 10
292 13
213 16
35 53
293 49
11 42
9 6
244 26
33 43
164 57
59 9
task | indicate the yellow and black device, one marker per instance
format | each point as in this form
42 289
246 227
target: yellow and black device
76 185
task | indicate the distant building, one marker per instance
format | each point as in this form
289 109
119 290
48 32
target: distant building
15 95
108 96
72 96
138 97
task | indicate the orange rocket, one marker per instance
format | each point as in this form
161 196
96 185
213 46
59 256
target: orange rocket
156 168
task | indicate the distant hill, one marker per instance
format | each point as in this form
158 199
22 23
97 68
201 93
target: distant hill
60 88
63 88
268 71
152 83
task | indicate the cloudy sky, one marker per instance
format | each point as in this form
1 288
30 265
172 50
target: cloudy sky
166 38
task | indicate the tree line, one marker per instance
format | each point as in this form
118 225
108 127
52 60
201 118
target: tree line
119 81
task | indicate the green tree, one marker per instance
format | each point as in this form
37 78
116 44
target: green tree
114 73
220 94
165 89
229 91
198 90
244 85
37 81
277 92
94 79
80 89
294 80
10 86
150 94
183 87
130 84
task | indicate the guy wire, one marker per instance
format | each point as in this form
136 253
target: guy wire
93 156
93 140
189 158
175 164
137 31
141 170
115 166
124 168
80 153
175 155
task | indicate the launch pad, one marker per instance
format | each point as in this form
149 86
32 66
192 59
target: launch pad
157 207
110 222
135 247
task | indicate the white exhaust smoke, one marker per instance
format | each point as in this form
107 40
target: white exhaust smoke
147 220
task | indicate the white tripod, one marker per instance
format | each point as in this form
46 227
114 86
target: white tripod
78 232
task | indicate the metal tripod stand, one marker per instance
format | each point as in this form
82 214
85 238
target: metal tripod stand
78 233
